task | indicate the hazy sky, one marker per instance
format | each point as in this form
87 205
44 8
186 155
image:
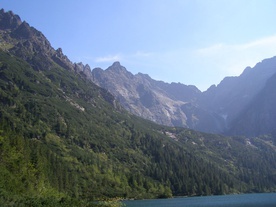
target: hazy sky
196 42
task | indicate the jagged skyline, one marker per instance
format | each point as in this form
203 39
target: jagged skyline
192 42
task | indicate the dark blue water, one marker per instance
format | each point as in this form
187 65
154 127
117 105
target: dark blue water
243 200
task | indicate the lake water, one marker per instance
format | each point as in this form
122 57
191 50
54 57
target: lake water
242 200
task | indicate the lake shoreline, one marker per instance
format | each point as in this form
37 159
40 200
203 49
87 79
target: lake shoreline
229 200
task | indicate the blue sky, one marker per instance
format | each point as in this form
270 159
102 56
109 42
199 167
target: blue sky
195 42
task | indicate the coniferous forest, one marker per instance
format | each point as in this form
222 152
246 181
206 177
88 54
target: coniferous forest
66 142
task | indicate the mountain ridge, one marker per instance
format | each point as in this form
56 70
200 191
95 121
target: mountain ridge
176 104
142 95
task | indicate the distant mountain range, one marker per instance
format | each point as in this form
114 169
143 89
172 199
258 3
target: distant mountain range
221 109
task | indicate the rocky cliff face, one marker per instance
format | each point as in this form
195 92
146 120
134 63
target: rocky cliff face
172 104
259 117
139 95
234 95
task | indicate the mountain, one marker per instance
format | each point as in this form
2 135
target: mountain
172 104
215 110
64 141
259 116
234 95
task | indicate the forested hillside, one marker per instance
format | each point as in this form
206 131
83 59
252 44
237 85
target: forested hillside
66 142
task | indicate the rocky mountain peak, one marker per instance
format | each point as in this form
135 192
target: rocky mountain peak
62 60
59 52
119 71
8 20
117 67
87 71
78 67
246 71
116 64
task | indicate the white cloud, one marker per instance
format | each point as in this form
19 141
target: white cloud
109 58
142 54
122 57
267 42
232 59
